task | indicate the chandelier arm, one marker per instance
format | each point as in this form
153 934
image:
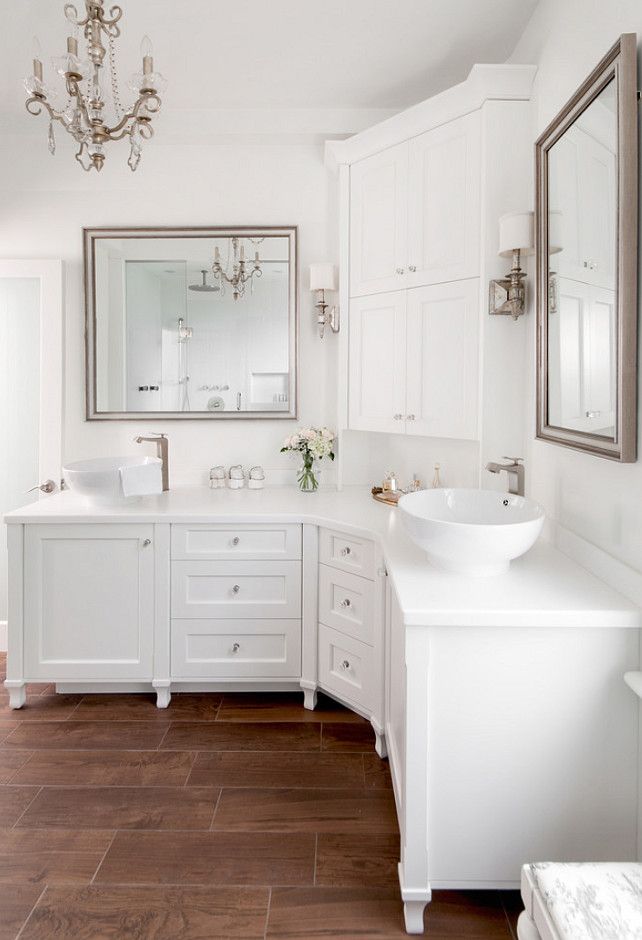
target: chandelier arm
115 13
70 8
133 114
88 168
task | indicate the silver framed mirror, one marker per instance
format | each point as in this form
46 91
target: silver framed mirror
189 323
587 266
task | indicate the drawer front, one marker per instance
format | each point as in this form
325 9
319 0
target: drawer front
347 553
249 589
212 542
346 602
346 667
228 648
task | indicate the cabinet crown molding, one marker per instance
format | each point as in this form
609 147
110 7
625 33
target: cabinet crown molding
484 83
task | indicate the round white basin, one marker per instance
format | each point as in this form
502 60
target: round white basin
109 480
473 532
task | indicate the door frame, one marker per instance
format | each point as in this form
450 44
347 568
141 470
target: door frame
50 274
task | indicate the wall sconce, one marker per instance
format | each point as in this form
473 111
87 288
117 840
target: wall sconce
323 278
508 295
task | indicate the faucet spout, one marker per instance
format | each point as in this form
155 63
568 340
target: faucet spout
162 451
515 470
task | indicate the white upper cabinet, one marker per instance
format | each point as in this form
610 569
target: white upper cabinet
444 210
378 362
443 360
379 222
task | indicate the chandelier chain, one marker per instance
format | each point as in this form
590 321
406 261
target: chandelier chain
115 91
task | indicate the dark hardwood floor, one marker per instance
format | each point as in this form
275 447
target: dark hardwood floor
225 816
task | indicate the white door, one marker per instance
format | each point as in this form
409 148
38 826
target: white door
30 389
89 602
443 360
444 214
379 222
377 379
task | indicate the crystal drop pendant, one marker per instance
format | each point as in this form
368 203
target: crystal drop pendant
51 139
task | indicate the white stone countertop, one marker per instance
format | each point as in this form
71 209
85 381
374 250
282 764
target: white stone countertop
543 588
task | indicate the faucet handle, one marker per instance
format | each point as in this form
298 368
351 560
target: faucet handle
515 460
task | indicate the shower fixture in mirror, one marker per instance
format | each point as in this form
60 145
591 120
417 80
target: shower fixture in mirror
586 247
191 323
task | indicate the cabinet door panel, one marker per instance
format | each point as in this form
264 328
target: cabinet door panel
444 186
443 360
89 601
378 362
379 221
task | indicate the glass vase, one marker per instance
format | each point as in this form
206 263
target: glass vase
307 476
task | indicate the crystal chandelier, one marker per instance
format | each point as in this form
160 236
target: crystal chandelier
240 272
77 101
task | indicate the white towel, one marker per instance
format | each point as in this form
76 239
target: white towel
141 480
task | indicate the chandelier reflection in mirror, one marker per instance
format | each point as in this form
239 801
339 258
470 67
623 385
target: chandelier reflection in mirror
241 272
78 98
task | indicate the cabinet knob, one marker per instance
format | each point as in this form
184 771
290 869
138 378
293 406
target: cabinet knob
146 542
346 602
345 665
235 540
400 270
236 647
398 417
236 589
346 551
412 267
410 417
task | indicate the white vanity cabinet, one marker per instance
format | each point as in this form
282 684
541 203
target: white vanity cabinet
88 601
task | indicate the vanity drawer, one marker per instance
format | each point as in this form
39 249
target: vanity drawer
347 552
346 667
228 648
346 602
262 589
212 542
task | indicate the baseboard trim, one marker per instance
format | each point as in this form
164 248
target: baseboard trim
4 634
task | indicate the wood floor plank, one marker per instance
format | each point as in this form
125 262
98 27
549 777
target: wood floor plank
347 736
41 708
285 706
11 762
368 861
377 772
306 810
15 907
14 801
7 728
276 769
477 915
126 707
143 913
88 735
42 856
212 858
122 808
336 914
103 768
242 736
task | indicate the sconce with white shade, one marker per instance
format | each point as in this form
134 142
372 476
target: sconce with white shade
323 278
516 238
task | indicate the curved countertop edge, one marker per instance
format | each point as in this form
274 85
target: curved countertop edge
544 588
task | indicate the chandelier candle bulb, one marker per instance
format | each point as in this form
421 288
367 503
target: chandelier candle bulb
147 52
37 58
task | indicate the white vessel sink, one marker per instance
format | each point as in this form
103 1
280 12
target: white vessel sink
473 532
109 480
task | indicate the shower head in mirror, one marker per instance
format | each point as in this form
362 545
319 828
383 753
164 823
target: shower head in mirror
204 287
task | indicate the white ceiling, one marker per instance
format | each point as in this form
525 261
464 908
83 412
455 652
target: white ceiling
285 54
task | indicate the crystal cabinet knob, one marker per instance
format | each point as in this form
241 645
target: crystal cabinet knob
345 665
399 270
235 540
236 647
410 417
398 417
412 267
146 542
346 602
236 589
346 551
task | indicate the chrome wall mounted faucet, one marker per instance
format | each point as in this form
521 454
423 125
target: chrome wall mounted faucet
162 451
515 471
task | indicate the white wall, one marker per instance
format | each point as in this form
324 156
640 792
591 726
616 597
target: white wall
45 201
593 497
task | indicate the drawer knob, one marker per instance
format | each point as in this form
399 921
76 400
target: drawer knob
235 540
346 602
236 589
146 542
345 665
236 647
346 551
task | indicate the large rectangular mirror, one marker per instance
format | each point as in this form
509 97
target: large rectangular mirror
586 246
191 323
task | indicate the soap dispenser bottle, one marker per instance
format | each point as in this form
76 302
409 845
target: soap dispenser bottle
436 480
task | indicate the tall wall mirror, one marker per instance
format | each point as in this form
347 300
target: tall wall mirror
586 246
191 323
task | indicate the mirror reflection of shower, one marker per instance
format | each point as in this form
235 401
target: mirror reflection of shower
185 333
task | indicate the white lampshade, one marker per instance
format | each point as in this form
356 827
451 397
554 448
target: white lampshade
322 276
554 231
516 233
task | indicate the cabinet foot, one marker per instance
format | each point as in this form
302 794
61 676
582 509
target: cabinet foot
163 694
310 699
17 693
380 744
413 912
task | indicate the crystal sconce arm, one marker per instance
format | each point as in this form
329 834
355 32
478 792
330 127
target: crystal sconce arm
322 279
